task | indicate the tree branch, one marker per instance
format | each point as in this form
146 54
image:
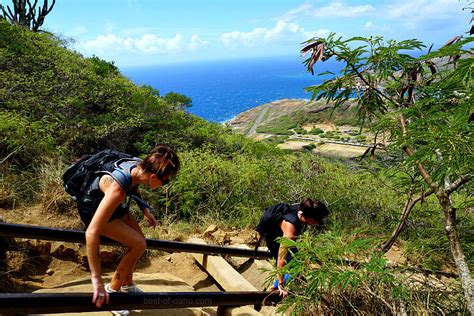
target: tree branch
459 182
409 204
11 16
409 151
364 80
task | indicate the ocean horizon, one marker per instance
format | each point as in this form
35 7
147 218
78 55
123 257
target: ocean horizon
222 89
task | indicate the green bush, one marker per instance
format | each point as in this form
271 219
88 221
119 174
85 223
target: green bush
236 188
329 134
310 146
316 131
299 130
280 125
276 139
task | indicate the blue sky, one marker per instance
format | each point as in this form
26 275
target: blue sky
147 32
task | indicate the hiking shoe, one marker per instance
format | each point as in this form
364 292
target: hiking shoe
133 288
108 289
123 312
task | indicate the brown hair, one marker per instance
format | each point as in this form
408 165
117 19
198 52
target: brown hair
162 161
314 209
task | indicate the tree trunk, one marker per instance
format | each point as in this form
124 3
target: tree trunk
450 218
456 249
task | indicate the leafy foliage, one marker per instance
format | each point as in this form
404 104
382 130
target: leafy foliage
178 100
425 105
438 119
331 275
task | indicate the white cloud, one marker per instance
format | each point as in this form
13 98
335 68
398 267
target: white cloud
295 12
152 45
284 31
147 44
197 43
437 9
339 9
413 14
369 25
334 9
376 28
317 33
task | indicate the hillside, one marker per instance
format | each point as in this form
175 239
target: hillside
57 105
306 125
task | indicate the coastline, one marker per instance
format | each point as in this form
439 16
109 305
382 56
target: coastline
283 102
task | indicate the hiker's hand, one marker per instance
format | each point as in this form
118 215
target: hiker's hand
150 218
282 291
100 295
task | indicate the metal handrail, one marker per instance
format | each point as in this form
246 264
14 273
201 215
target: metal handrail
66 235
82 302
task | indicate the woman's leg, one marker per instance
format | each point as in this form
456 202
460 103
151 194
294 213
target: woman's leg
136 246
130 221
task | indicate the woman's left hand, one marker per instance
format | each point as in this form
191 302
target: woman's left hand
150 218
282 291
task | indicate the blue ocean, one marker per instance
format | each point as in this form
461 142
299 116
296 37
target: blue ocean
222 89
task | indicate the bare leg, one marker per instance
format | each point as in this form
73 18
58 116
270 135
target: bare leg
134 240
130 221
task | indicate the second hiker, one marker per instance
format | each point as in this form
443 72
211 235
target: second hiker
284 220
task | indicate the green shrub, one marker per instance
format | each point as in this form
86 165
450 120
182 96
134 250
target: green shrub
275 140
236 188
280 125
328 134
310 146
299 130
316 131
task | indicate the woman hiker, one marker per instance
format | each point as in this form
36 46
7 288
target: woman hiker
111 218
284 220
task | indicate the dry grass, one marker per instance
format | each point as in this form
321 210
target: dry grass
52 197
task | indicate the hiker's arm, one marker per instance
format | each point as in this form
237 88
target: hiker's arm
289 231
113 196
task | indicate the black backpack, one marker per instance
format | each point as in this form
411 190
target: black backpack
78 175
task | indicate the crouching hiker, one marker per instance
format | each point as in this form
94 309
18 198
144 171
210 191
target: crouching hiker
289 221
101 184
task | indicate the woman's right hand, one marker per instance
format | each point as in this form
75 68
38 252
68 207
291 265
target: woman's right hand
100 294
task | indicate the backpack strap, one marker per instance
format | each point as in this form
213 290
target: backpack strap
123 178
123 175
291 216
140 202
